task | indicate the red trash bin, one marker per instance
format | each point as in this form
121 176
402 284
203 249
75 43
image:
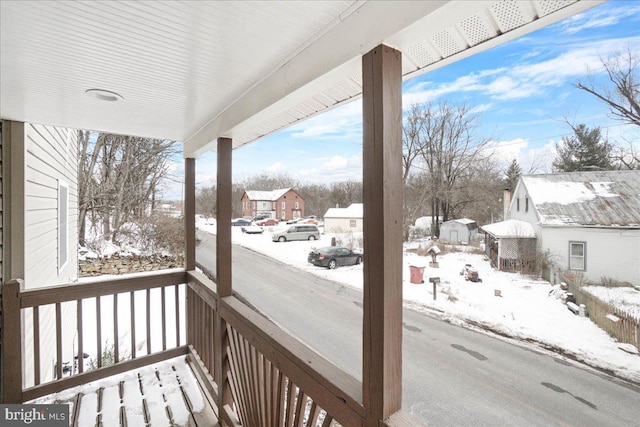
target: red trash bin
417 274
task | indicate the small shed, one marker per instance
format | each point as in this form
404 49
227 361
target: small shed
462 230
338 220
510 245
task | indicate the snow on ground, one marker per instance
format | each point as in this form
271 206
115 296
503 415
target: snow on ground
527 309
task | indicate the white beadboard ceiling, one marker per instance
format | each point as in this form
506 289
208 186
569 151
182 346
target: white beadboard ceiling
193 71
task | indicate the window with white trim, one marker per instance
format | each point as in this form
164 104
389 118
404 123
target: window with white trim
63 224
352 223
297 205
282 215
578 256
283 205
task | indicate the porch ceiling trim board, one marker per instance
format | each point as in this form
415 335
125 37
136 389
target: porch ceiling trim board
188 74
323 64
415 27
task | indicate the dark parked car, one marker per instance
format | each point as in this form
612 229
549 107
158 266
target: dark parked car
334 256
240 222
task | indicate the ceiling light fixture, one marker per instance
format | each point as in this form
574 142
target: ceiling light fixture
104 95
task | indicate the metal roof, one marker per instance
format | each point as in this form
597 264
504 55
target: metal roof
355 210
601 199
271 196
193 71
510 229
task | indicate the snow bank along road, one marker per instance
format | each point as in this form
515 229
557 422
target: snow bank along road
452 375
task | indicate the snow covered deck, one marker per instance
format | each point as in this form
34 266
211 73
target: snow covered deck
162 394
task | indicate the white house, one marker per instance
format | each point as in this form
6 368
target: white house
344 219
463 230
588 222
39 212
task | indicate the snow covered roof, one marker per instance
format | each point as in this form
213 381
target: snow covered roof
425 221
469 223
511 228
353 211
271 196
601 198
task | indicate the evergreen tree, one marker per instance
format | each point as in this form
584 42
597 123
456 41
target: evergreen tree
512 173
585 150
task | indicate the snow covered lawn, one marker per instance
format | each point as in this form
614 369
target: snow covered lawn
526 309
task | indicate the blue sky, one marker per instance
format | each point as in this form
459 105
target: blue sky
522 89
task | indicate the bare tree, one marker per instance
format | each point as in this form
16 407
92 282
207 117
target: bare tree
118 178
450 148
624 98
412 138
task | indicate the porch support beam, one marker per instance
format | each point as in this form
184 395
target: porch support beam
14 165
190 213
382 197
223 218
223 269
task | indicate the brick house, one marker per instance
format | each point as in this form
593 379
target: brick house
283 204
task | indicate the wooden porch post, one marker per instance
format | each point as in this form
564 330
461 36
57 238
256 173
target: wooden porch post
223 218
223 268
382 196
11 342
13 191
190 213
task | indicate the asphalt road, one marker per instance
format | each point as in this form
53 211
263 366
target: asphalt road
452 376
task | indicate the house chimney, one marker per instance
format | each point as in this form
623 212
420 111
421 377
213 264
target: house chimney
506 201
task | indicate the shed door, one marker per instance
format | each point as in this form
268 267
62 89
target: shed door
453 236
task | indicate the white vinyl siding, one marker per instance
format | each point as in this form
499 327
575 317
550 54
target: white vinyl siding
337 225
51 258
611 253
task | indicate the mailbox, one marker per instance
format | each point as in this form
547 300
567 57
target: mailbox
434 280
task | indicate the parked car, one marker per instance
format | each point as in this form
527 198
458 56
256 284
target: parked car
252 229
294 221
240 222
269 222
334 256
260 217
308 221
297 232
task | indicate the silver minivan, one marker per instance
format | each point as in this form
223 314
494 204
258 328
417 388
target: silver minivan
297 232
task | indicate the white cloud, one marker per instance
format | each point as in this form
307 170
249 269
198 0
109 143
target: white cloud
599 18
526 79
343 120
506 151
334 169
336 162
276 167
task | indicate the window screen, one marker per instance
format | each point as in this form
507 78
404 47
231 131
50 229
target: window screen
577 255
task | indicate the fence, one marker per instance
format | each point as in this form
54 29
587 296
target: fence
617 323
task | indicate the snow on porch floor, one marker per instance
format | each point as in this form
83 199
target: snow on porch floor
163 394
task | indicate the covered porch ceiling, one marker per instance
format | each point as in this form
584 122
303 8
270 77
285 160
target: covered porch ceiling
193 71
